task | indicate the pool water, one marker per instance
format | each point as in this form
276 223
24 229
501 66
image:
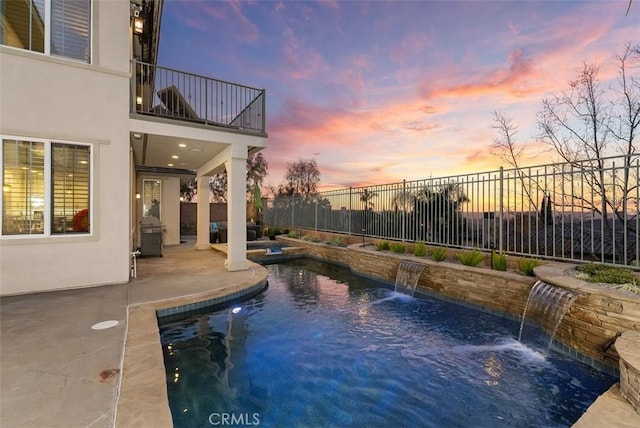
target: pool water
324 348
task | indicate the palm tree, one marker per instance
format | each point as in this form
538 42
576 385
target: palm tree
436 210
366 196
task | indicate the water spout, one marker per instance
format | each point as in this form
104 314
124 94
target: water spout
545 308
408 276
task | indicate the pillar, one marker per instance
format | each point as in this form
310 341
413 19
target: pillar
237 210
202 214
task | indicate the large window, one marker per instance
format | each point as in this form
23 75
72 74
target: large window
45 187
53 27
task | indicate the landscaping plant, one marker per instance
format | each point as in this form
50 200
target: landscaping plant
439 254
527 266
383 246
338 242
595 272
471 258
397 247
311 238
498 261
419 249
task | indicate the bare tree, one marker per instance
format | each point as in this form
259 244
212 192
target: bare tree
505 144
582 125
588 124
507 148
301 179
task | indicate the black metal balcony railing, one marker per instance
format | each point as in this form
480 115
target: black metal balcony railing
164 92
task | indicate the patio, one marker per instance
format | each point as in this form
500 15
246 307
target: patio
58 372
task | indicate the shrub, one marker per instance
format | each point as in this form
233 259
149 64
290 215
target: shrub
527 266
273 231
610 274
293 234
498 261
382 246
471 258
397 247
337 241
439 254
419 249
311 238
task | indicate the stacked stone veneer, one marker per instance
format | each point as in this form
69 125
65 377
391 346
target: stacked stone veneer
628 346
597 317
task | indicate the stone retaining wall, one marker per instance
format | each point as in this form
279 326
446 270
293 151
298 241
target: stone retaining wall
597 317
628 346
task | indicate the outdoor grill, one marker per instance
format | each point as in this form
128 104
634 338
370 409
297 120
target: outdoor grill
150 237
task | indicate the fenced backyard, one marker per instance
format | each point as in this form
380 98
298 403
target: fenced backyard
578 211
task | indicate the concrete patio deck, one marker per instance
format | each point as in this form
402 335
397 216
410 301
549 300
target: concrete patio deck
55 371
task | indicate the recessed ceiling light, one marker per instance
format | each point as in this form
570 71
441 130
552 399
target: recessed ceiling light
182 145
169 164
175 157
196 150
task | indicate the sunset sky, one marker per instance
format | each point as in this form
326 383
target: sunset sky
382 91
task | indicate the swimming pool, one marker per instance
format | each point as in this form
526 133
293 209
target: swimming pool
323 347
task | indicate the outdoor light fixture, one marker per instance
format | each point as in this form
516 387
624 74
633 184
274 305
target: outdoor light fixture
138 195
136 135
138 25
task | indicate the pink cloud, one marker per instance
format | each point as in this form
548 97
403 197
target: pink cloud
201 15
302 61
410 46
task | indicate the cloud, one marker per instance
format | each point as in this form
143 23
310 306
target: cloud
410 47
302 61
516 80
227 16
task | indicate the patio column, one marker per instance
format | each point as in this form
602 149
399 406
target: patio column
202 214
237 210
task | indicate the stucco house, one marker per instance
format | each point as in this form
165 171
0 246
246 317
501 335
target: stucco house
96 137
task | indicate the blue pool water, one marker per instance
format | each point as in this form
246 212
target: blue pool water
324 348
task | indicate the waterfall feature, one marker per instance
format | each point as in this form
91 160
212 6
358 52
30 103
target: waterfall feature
408 276
543 312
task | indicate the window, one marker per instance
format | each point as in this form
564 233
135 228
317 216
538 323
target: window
151 197
53 27
45 187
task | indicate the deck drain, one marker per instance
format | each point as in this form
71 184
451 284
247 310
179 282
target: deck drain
104 325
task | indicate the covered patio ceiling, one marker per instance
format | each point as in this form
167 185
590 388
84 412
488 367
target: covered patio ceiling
171 155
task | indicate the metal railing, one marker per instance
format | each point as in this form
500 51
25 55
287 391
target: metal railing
164 92
580 211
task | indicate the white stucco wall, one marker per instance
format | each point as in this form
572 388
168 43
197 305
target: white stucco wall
169 206
59 99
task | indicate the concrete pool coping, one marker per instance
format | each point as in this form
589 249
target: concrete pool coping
55 371
74 381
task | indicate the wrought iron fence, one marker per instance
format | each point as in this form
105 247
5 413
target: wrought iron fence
161 91
580 211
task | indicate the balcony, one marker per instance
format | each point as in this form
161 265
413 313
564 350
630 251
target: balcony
166 93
